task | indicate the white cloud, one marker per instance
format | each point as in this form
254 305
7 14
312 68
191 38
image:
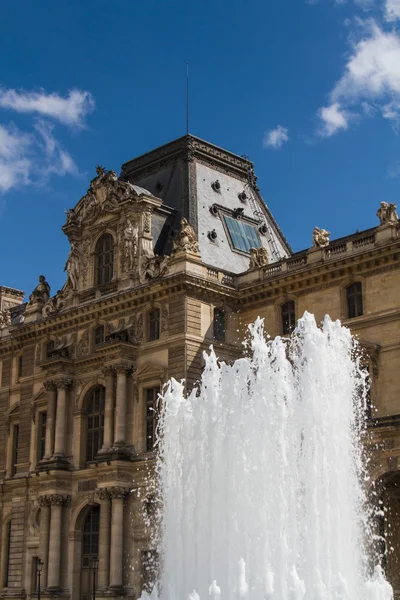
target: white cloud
371 78
276 137
392 10
333 119
32 158
70 110
58 161
15 163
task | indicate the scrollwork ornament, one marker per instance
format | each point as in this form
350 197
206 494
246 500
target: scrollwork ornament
43 501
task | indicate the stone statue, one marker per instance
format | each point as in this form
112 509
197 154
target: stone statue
5 318
41 293
131 242
72 268
387 214
258 257
54 304
320 238
155 266
100 170
186 240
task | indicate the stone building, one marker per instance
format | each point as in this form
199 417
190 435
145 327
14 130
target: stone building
178 252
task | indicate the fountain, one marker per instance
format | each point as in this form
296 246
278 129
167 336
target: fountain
262 475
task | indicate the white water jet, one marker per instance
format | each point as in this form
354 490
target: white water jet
261 475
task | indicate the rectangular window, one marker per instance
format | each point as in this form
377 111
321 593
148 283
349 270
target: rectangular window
151 395
35 577
99 335
154 324
42 434
15 443
243 236
288 315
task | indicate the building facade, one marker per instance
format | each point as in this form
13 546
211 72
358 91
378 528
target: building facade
177 253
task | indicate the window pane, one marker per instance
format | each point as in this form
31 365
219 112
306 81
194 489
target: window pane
219 324
354 300
95 423
288 317
104 259
243 236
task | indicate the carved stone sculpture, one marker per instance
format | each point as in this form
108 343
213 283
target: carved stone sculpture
130 245
155 266
41 293
387 214
258 257
186 239
54 304
72 268
5 318
320 238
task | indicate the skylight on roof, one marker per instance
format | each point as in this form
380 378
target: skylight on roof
243 236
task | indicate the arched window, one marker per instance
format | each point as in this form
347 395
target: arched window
219 324
288 317
354 300
104 259
90 537
99 335
154 324
95 422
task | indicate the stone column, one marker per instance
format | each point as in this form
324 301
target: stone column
57 502
61 421
104 538
51 413
117 537
44 537
108 409
120 420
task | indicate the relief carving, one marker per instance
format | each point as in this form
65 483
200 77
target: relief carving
155 266
5 318
83 345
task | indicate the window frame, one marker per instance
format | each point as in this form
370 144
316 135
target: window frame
244 222
14 449
355 296
41 439
287 328
107 266
91 456
156 321
87 557
219 336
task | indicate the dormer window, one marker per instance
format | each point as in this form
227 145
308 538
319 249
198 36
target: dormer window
104 259
243 236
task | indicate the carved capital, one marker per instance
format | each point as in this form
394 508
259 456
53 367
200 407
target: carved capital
108 370
125 368
49 385
63 383
43 501
102 494
117 492
58 499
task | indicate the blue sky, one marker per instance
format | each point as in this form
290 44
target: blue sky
309 90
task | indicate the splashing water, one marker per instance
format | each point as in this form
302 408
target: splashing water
261 475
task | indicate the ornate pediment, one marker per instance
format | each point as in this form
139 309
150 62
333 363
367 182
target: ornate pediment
106 195
151 370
